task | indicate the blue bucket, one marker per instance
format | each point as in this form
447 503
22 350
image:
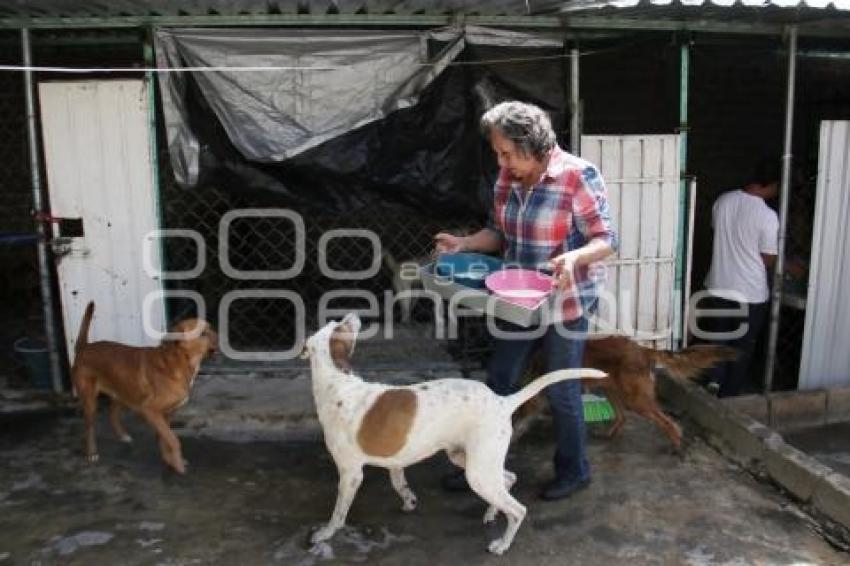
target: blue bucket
35 356
468 269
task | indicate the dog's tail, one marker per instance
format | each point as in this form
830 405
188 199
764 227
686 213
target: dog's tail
513 402
690 362
85 324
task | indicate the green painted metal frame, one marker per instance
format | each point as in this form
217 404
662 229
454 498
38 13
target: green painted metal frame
680 325
150 82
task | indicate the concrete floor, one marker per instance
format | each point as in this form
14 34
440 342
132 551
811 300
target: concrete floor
828 443
256 503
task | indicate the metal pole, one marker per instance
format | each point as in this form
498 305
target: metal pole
575 118
779 266
43 256
680 325
686 309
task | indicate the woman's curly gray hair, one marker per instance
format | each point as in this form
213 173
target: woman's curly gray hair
524 124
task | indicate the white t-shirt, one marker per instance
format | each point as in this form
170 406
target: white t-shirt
744 228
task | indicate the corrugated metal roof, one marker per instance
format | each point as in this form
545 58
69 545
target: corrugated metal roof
827 18
124 8
581 5
100 8
761 11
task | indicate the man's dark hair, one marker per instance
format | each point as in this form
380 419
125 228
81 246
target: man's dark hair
767 171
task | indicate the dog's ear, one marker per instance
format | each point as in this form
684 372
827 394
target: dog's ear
342 341
350 326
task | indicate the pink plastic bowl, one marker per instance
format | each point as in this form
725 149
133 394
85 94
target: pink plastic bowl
523 287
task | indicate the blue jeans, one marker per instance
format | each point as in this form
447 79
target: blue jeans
733 376
508 363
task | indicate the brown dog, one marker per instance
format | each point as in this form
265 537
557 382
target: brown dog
630 383
151 381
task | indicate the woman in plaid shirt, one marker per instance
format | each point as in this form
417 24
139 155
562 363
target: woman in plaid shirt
550 211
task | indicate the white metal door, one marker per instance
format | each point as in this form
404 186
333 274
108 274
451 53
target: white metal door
97 149
642 177
825 358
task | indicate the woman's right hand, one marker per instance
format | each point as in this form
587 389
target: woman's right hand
445 243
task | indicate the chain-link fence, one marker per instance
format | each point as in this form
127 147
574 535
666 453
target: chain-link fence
351 261
20 307
800 222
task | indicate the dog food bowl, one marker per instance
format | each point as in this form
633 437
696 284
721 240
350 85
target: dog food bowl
467 269
524 287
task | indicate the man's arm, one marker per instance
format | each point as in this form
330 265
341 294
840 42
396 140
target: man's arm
769 240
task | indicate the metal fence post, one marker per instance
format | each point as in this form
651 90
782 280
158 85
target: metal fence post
44 267
779 267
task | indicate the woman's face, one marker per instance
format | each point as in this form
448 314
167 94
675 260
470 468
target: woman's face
521 166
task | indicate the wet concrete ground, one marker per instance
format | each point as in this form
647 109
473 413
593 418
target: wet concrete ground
256 503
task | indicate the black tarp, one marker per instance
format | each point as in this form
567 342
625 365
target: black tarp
429 157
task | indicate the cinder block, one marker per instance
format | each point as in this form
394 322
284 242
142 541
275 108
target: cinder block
832 498
745 437
754 406
795 409
706 410
838 405
798 473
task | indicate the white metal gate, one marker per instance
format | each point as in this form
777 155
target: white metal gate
97 149
642 177
825 358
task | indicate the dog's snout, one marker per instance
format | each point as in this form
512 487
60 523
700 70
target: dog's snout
212 340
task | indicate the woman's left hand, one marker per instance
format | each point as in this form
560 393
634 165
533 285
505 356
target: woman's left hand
563 269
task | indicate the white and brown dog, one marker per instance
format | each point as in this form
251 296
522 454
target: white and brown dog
394 427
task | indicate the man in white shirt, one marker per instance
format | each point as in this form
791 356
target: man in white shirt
746 235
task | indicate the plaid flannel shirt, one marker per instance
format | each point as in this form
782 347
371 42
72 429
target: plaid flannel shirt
566 209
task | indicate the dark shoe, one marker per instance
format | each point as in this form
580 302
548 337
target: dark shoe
455 481
561 489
